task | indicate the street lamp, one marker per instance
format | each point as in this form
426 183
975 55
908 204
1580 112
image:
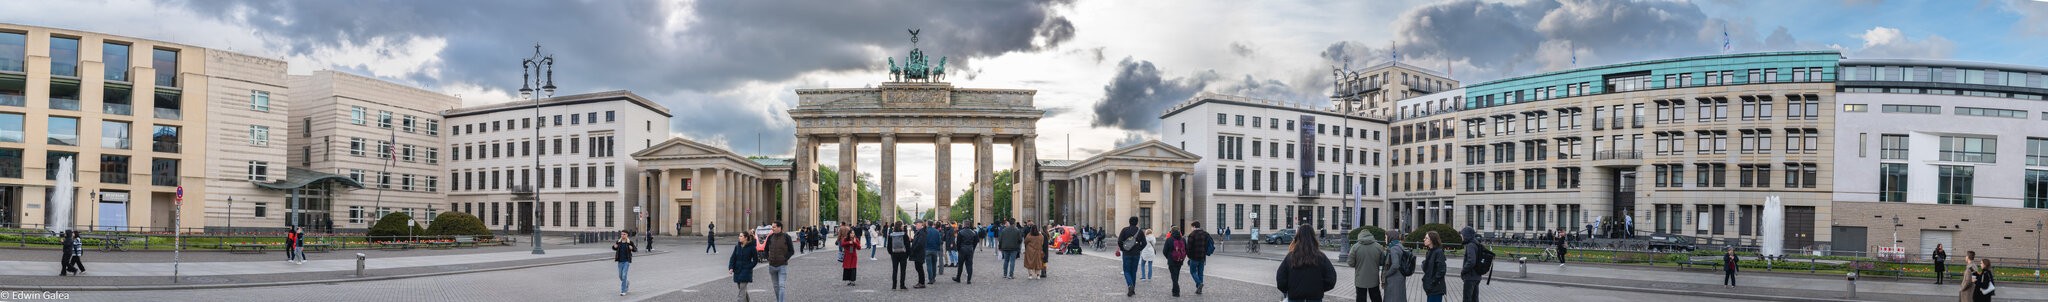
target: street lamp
537 70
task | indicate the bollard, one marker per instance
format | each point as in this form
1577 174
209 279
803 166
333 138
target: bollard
359 264
1852 285
1524 261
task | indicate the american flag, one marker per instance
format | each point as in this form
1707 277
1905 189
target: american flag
391 148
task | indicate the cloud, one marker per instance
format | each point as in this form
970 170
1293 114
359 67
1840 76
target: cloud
1138 94
1131 138
2033 16
1242 50
1886 42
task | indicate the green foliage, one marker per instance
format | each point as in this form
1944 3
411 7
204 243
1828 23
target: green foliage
1377 233
453 223
963 206
828 193
870 207
393 227
1449 235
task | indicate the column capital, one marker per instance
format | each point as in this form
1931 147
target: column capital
985 138
1030 136
889 134
846 134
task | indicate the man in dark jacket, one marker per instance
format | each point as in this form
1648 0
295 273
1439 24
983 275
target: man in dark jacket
964 241
1434 269
711 238
1200 245
1131 244
934 250
1728 261
622 253
1470 271
779 251
1010 242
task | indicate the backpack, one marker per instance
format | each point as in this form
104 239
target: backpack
1406 264
1177 249
1485 263
898 244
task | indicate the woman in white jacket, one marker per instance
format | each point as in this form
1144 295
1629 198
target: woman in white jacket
1150 253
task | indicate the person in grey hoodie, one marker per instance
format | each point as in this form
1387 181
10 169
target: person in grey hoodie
1010 241
1366 263
1469 271
1394 281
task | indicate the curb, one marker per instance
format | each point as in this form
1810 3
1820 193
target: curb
1672 291
301 282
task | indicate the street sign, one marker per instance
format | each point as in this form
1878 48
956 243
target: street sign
636 209
179 200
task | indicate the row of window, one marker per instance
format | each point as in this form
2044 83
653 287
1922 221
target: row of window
1283 181
1269 217
1671 218
114 134
600 146
360 147
505 178
408 123
115 57
527 123
1988 94
1752 141
1420 181
1423 131
1797 175
1421 154
581 213
361 214
383 180
1928 109
1944 75
1530 179
1274 123
1534 217
113 168
1646 81
1956 185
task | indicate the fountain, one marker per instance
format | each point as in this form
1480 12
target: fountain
61 200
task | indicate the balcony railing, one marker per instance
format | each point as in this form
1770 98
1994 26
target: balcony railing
13 100
117 109
63 104
1617 154
169 114
165 147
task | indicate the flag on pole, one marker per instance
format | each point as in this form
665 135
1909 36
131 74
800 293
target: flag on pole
1396 48
391 148
1726 44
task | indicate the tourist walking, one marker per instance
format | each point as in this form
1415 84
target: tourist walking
291 241
741 264
1969 292
1478 262
968 237
622 253
898 243
1145 261
1400 265
1985 281
1009 243
917 254
711 240
1728 261
1367 261
779 251
1940 264
1200 246
934 251
1176 254
1130 243
849 254
867 234
1034 253
1560 247
1433 268
71 249
649 241
1305 274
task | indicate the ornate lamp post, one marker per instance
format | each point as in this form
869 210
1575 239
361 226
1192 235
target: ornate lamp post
537 70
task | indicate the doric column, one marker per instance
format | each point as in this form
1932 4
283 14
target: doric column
849 161
1026 205
800 208
943 189
1175 215
888 180
984 177
661 181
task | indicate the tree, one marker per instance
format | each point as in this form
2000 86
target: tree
963 206
870 206
394 227
454 223
828 193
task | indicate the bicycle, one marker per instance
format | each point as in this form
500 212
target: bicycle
1252 246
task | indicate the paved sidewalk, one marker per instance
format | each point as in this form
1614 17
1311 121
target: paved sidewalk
347 263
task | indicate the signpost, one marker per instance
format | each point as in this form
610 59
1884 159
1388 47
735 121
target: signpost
177 237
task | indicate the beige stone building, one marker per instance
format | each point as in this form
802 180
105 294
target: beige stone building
1151 181
215 121
1422 160
697 186
345 125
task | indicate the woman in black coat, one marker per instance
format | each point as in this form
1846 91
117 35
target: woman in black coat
1306 273
1433 268
741 265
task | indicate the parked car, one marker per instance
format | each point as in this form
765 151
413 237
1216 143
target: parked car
1280 237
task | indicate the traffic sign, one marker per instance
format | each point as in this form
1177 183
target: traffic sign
179 200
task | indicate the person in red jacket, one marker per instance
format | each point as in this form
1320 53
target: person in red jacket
849 254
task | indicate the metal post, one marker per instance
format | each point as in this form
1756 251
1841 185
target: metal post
536 68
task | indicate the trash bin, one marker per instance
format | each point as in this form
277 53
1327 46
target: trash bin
360 258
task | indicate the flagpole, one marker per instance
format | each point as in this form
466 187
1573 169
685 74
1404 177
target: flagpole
383 177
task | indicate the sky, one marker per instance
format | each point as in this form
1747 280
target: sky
1104 70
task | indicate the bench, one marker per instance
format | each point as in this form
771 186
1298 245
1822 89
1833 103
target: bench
318 247
394 246
247 248
465 240
1707 262
440 245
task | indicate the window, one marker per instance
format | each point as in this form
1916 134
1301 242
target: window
1855 107
433 155
1892 146
114 169
355 115
64 56
259 170
63 131
165 61
2037 152
114 134
259 135
162 172
406 124
2036 189
355 146
1972 111
259 100
1801 175
1954 184
384 119
433 127
1891 182
11 124
1969 149
1911 109
383 149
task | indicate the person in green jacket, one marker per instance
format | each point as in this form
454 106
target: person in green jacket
1366 264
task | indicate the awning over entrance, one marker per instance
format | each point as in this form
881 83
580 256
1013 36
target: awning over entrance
295 178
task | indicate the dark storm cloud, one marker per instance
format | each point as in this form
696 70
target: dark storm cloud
1139 93
1242 50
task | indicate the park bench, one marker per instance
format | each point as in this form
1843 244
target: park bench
465 240
247 248
318 247
1702 262
440 245
394 246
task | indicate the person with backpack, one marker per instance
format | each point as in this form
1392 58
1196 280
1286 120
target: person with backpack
1201 245
1367 260
741 265
1400 265
1478 263
1130 245
898 243
1009 243
1176 254
1305 273
1145 258
1433 267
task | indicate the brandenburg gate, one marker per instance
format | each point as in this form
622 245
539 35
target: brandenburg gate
915 106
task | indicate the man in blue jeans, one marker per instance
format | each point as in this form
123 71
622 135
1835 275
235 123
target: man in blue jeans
780 248
934 244
1010 242
1200 246
1131 244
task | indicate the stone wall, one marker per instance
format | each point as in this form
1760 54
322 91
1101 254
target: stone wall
1992 232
